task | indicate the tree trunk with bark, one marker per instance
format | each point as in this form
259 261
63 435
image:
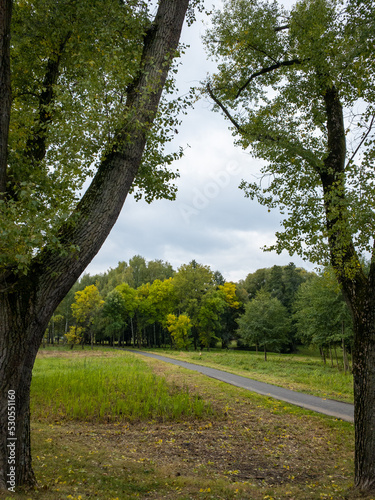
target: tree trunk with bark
28 302
358 290
364 392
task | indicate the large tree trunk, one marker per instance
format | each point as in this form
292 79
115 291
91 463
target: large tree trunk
358 290
17 359
364 394
27 303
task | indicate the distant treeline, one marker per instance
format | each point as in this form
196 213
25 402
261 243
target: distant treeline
150 304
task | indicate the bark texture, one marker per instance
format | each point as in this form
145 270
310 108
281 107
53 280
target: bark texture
358 290
27 303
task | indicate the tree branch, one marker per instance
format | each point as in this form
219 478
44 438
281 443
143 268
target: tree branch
362 140
36 144
223 108
301 151
281 28
264 71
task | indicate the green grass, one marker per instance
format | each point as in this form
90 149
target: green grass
243 446
107 389
305 373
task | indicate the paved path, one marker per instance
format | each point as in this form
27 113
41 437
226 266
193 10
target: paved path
343 411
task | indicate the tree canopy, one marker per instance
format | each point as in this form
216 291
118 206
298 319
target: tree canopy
278 71
71 72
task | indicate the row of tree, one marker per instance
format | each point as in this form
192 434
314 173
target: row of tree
149 303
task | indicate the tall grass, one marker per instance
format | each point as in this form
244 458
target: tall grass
107 389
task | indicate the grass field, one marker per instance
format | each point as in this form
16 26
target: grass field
107 387
300 372
226 443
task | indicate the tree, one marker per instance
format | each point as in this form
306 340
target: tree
192 281
115 312
229 292
284 81
164 300
209 317
87 80
179 328
130 300
139 270
265 323
74 335
321 314
86 309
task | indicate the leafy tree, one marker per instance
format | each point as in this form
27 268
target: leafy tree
265 323
233 305
86 307
81 100
164 300
322 316
209 317
115 311
281 282
138 268
284 81
130 301
74 335
114 277
179 328
192 281
145 312
159 270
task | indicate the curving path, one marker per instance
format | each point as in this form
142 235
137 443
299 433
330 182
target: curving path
337 409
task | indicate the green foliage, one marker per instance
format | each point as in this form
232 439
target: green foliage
179 328
115 311
322 316
191 282
275 70
163 298
209 317
86 305
194 291
74 335
282 282
72 65
129 298
135 273
265 322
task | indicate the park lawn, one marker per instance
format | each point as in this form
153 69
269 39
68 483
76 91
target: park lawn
241 446
298 372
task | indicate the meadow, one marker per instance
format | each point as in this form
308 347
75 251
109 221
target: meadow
303 372
106 387
112 425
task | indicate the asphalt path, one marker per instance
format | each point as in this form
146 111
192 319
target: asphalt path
337 409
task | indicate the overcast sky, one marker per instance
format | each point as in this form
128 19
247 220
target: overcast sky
210 221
